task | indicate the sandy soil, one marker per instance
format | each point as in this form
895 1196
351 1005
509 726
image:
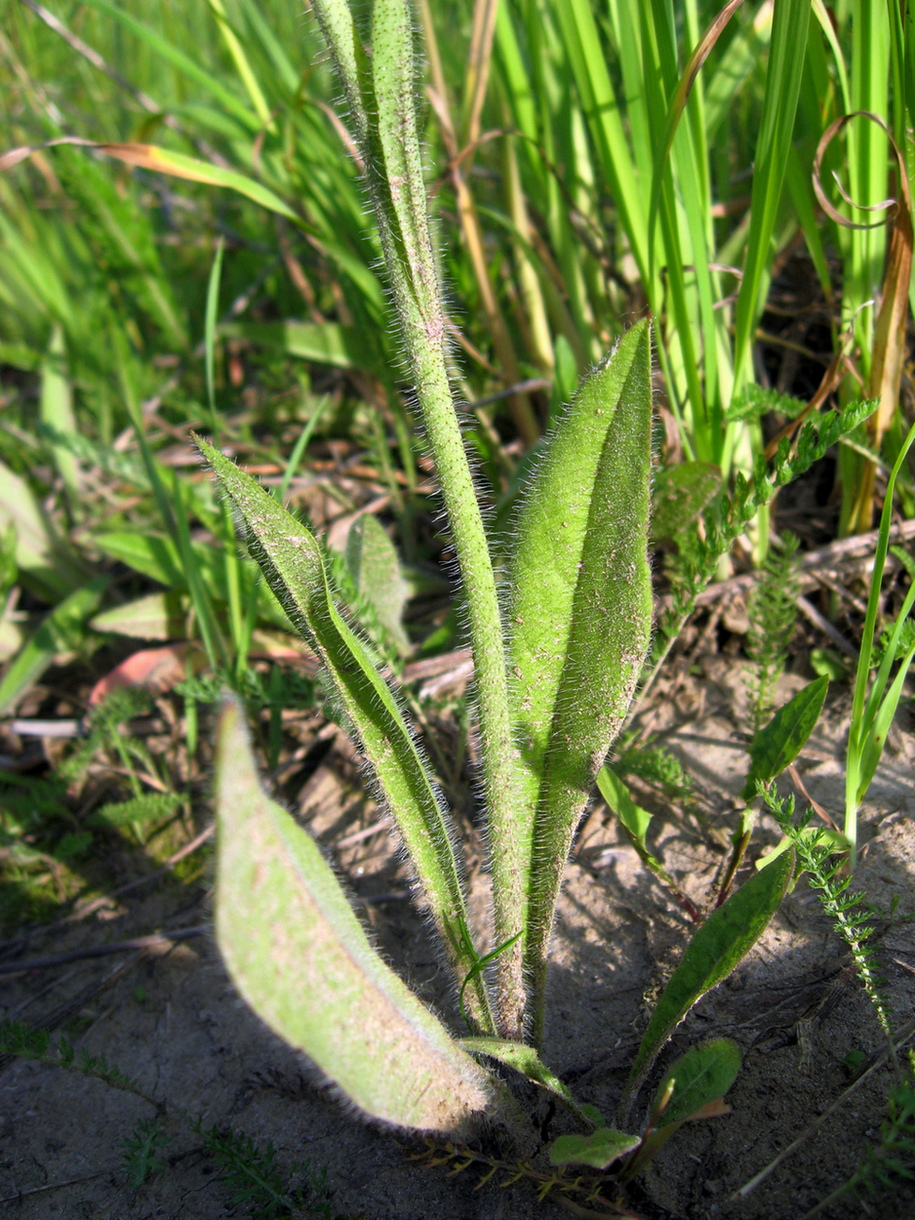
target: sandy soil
168 1016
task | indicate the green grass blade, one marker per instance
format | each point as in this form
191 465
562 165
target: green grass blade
184 63
291 561
170 505
282 65
209 330
302 960
243 66
58 633
56 412
787 51
44 560
601 108
299 448
861 702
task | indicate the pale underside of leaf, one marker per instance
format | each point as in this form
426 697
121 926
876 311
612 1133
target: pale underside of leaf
300 957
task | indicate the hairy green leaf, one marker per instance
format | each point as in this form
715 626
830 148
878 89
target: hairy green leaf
374 566
778 744
716 948
704 1073
599 1149
300 957
524 1059
579 615
291 561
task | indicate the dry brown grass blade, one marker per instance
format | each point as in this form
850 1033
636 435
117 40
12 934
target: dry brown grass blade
830 382
681 95
484 27
889 334
700 54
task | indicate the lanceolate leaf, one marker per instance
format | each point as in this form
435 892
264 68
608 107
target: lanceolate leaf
714 951
374 566
291 561
579 615
301 959
778 744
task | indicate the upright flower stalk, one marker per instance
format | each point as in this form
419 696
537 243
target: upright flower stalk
381 96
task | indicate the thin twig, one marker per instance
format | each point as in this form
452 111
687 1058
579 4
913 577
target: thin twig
38 1190
844 550
155 941
823 624
877 1060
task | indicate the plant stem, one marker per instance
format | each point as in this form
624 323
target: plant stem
389 145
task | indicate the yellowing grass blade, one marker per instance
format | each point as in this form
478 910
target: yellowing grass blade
164 161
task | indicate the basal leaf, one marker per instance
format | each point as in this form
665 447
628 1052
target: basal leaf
579 614
779 743
715 949
291 561
301 959
524 1059
693 1088
703 1074
599 1149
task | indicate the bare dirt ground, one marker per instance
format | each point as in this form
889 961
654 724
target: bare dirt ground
168 1017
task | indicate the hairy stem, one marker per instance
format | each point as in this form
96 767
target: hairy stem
383 110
